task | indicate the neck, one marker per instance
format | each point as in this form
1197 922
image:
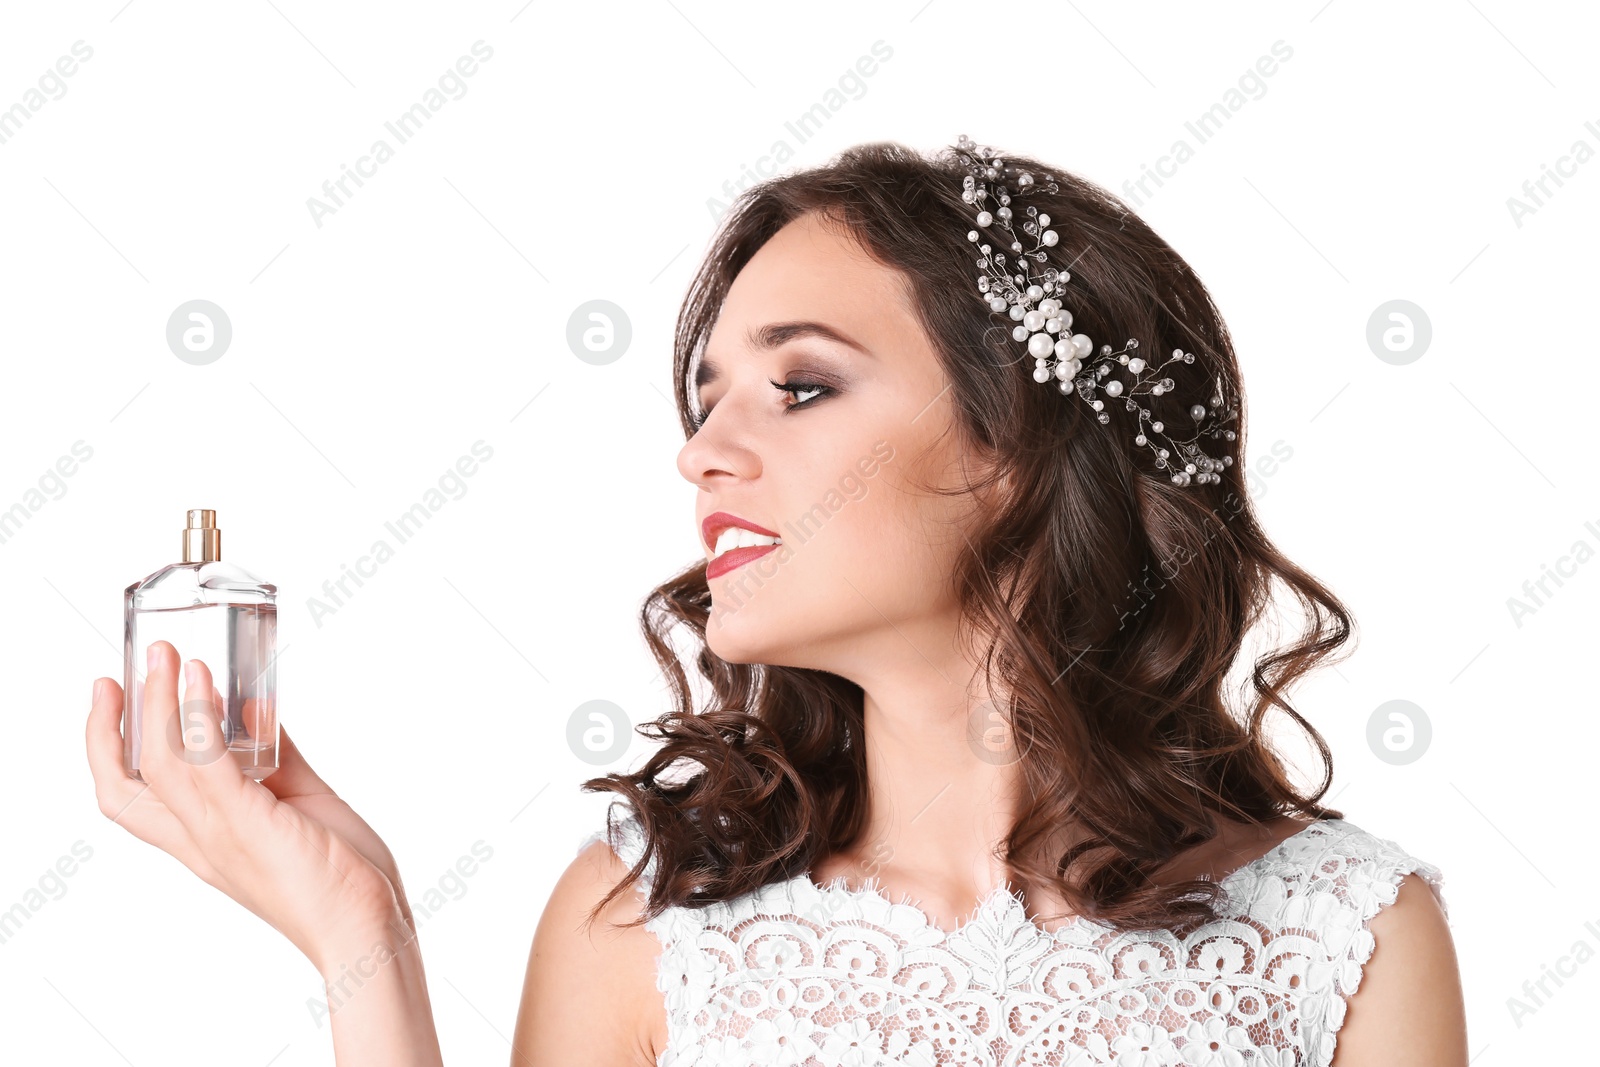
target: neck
942 775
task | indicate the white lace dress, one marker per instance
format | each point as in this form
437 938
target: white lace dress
829 976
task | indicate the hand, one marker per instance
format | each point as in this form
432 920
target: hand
287 847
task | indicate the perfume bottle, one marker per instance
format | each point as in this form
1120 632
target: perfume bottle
223 616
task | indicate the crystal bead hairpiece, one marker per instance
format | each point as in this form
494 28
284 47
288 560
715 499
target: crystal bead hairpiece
1032 299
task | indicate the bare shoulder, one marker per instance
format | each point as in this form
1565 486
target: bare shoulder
1408 1007
591 986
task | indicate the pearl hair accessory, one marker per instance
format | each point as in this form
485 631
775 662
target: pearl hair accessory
1032 300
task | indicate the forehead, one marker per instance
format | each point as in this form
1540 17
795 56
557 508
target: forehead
810 271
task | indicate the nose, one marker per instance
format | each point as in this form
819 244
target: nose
719 450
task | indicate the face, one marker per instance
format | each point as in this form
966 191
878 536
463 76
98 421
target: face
835 464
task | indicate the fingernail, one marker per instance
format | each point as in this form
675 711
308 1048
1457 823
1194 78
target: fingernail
150 658
98 682
191 672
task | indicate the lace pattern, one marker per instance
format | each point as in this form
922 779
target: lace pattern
828 976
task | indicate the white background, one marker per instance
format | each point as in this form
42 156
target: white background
430 311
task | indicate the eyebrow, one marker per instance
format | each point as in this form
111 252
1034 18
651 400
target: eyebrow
775 335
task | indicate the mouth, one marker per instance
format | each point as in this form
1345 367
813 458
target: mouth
735 541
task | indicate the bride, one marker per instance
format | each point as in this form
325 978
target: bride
964 783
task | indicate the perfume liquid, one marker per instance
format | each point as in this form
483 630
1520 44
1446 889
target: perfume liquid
223 616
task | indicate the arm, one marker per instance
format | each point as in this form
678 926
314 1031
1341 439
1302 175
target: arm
1408 1008
287 848
590 987
378 997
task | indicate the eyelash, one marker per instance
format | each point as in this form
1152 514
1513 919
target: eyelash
791 386
794 386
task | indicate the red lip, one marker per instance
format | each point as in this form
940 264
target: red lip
736 557
711 528
712 525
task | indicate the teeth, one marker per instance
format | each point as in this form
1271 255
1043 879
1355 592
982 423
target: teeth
738 537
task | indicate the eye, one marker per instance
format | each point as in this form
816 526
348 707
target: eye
793 387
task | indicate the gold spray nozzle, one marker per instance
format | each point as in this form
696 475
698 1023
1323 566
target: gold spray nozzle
202 541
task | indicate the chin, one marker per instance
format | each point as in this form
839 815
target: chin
735 635
749 635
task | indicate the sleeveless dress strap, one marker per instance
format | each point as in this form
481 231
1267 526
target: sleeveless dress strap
1338 882
625 836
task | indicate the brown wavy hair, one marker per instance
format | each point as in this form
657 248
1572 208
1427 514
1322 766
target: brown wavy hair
1110 602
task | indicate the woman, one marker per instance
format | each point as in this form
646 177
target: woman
965 787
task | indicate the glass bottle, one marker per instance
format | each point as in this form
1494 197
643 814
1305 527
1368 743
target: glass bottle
223 616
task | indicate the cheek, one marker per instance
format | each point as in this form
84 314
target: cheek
866 546
895 542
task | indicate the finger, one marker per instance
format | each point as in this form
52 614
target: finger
125 800
113 787
217 774
161 742
258 719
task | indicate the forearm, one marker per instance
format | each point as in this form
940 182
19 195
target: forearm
378 999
